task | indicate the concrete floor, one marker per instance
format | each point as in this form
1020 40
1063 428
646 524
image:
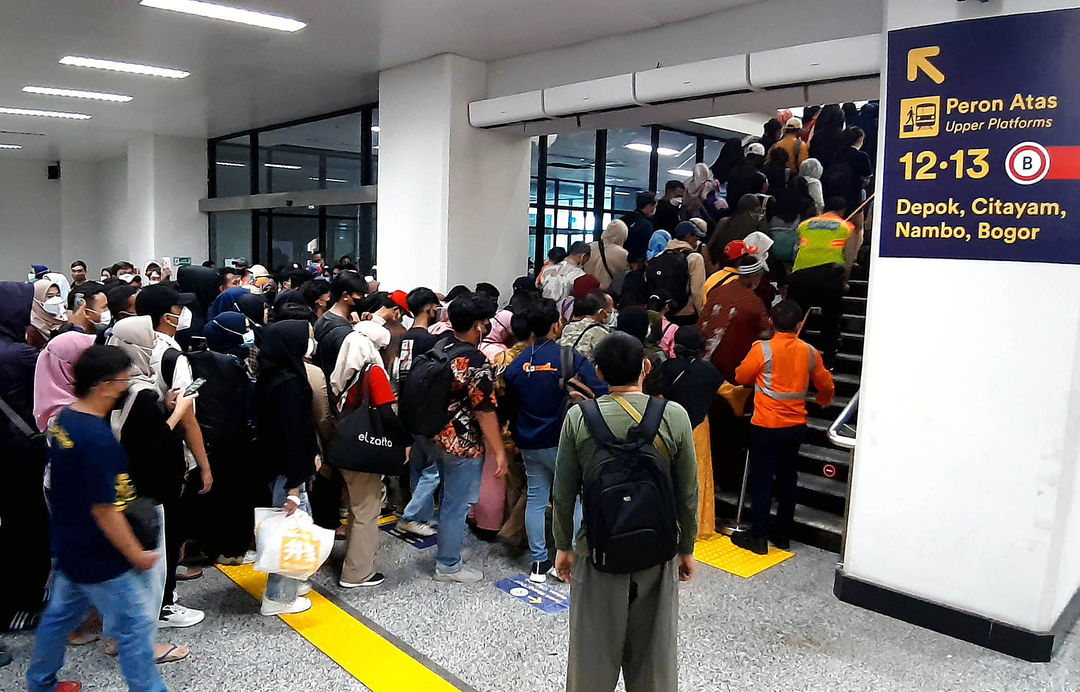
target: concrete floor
781 630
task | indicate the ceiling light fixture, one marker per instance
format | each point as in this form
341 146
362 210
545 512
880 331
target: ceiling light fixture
130 67
44 114
10 146
375 128
17 132
647 148
283 166
330 180
226 13
76 94
680 171
230 164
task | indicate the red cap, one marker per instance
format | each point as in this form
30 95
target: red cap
400 299
584 284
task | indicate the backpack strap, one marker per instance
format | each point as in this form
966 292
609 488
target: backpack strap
17 420
603 258
598 427
584 332
168 366
567 369
649 424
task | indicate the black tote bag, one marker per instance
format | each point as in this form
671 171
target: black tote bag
368 438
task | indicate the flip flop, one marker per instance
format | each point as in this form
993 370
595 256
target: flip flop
176 652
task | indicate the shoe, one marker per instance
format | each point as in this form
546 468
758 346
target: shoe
553 574
540 571
464 575
744 540
178 616
416 528
304 589
373 580
22 620
185 573
249 557
69 686
781 543
299 605
233 561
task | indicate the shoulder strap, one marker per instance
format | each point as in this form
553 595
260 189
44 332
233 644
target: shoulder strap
649 425
724 281
584 332
598 427
168 366
17 420
567 371
603 258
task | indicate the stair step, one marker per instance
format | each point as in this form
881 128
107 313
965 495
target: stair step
854 336
846 378
826 455
822 485
813 526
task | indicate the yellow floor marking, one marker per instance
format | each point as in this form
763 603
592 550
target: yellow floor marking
719 552
368 657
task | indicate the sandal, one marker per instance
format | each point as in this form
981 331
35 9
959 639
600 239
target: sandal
185 573
175 652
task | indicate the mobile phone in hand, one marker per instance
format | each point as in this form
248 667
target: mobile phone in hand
194 386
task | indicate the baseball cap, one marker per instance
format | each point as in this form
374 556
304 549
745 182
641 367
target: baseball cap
399 298
793 124
686 228
735 249
756 148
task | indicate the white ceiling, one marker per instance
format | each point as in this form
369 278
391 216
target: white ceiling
243 77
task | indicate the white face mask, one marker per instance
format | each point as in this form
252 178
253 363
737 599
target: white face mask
311 345
126 278
613 318
183 320
55 307
104 317
153 281
249 339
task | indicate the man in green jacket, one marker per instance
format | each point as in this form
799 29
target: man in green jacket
623 621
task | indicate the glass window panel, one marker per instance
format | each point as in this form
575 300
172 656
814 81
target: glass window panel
282 170
232 166
375 146
293 237
679 166
534 161
628 158
562 219
571 194
342 172
532 191
571 157
350 230
624 199
549 193
231 234
712 149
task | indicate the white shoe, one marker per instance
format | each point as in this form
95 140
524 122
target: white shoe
299 605
416 528
176 615
304 589
465 575
249 557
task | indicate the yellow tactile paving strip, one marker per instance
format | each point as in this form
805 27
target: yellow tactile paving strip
366 655
718 551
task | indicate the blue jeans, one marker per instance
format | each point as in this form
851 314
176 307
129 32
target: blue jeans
152 581
424 479
122 607
461 489
540 471
278 588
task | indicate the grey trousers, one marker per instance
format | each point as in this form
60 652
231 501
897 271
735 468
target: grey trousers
623 621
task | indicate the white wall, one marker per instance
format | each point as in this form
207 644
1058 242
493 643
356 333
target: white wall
29 219
964 489
80 215
453 200
758 26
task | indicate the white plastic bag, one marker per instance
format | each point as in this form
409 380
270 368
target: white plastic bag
292 546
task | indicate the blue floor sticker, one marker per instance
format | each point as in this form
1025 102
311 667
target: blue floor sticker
389 525
540 596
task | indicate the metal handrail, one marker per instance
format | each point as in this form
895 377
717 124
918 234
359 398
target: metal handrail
845 441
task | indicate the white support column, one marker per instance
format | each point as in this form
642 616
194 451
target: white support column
453 200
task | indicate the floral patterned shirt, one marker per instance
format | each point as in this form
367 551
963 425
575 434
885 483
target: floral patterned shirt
472 390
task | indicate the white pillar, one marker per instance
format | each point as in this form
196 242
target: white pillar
964 491
453 200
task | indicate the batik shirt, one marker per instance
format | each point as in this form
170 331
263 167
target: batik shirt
472 390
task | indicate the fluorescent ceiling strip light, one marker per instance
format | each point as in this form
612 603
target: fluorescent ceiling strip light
130 67
226 13
680 171
285 166
230 164
76 94
647 148
330 180
10 146
375 128
44 114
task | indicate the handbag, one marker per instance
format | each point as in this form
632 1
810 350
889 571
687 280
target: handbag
367 438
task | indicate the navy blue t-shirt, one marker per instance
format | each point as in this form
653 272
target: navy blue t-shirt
88 467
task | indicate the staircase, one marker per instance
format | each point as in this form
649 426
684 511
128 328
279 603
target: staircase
823 468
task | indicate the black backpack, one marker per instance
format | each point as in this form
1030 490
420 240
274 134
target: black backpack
627 495
670 271
224 408
424 399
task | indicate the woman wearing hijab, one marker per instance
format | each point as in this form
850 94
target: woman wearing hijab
54 378
227 301
828 134
731 155
48 314
694 382
201 281
24 520
286 437
153 438
657 243
500 337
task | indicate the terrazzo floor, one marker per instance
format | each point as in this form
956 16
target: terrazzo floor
781 630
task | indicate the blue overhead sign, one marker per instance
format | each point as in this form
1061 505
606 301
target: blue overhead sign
982 140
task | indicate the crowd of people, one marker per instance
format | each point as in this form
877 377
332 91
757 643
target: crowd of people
187 397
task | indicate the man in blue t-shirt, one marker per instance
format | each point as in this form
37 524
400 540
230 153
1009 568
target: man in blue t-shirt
95 548
538 396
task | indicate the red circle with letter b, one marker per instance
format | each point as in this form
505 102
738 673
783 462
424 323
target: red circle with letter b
1027 163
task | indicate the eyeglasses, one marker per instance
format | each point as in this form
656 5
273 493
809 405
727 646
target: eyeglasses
123 380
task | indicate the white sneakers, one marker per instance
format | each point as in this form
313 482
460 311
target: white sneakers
276 608
416 528
178 616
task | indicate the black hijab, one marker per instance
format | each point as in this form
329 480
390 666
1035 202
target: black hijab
203 282
688 379
281 354
731 155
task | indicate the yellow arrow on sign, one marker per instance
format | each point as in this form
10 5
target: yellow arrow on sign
919 59
535 600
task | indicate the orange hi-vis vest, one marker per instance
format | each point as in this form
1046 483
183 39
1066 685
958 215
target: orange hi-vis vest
781 370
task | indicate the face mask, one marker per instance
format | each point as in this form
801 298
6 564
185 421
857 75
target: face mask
249 338
105 277
613 318
126 278
311 344
153 281
183 320
104 317
55 307
676 202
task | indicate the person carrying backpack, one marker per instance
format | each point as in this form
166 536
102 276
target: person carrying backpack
631 458
539 383
680 270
